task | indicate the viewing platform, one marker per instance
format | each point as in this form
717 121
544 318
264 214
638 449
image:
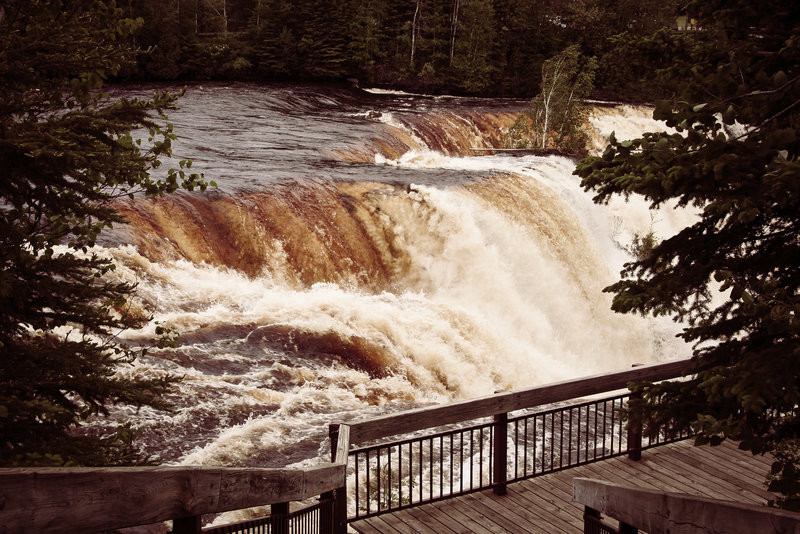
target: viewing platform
545 504
553 458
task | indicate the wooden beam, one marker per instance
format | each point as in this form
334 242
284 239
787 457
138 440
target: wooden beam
342 450
657 512
94 499
418 419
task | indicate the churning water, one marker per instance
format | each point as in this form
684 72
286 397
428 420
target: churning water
357 259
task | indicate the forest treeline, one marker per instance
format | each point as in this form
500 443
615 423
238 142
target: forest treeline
486 47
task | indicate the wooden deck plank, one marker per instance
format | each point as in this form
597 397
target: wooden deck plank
703 483
476 519
407 522
454 511
441 522
708 471
544 504
512 519
382 525
748 465
540 497
389 524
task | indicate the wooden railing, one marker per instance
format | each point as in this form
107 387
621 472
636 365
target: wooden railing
459 459
489 406
655 511
97 499
93 499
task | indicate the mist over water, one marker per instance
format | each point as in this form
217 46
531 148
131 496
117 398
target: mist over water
358 259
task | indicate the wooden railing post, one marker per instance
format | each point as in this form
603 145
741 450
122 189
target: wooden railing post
500 476
591 518
325 513
187 525
635 426
279 518
339 494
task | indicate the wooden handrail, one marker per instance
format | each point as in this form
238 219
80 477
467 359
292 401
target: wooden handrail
94 499
659 512
456 412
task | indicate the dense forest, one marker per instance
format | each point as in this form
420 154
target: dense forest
487 47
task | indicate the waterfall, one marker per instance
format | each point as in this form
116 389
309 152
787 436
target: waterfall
430 276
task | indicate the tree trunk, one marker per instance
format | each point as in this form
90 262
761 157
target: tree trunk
453 29
415 30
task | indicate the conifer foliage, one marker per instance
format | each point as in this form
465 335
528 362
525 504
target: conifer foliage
66 152
732 277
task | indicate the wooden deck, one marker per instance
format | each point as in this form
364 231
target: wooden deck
545 505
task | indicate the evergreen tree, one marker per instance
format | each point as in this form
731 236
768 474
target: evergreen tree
66 151
732 277
473 45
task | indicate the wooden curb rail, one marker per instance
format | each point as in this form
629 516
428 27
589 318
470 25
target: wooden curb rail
658 512
95 499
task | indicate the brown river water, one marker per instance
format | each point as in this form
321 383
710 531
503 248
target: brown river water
357 259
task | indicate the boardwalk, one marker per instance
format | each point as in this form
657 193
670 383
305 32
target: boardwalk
545 505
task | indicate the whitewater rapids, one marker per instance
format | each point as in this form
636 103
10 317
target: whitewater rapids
358 259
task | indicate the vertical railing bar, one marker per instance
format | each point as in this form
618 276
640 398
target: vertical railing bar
461 463
451 463
535 419
490 456
357 498
561 438
591 431
430 472
389 475
622 432
441 466
421 472
366 470
471 459
613 427
623 438
569 434
586 434
480 456
410 473
552 438
524 447
378 481
516 448
399 475
605 429
578 441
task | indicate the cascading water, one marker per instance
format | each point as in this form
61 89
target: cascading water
357 260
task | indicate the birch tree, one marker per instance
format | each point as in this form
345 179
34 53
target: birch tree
454 28
415 29
556 116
